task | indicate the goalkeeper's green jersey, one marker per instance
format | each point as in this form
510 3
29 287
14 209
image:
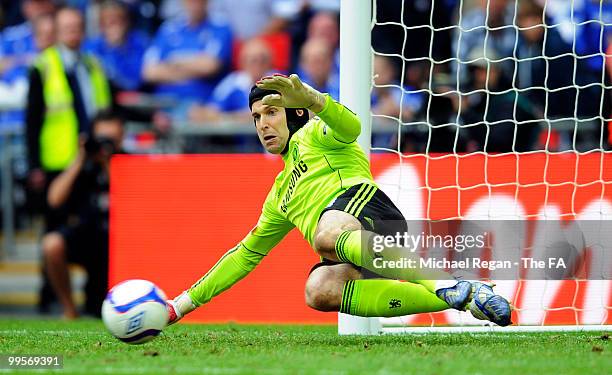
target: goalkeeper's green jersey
318 168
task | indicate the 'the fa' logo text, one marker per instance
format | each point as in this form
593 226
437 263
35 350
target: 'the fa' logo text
395 303
135 322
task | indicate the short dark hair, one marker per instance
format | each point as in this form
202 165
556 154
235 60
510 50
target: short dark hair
115 4
107 115
69 8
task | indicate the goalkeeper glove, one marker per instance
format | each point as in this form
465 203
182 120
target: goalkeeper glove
293 93
179 307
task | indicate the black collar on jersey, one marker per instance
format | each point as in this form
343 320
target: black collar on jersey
296 117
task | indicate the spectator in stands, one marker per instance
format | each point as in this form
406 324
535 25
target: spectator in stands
491 22
119 49
387 99
252 18
592 30
230 99
440 111
593 34
14 83
66 89
403 27
18 46
544 63
324 26
169 9
323 5
576 82
387 92
316 67
188 55
490 114
13 94
83 190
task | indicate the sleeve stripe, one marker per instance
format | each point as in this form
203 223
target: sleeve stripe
346 143
252 251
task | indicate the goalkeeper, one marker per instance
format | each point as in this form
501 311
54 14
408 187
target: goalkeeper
326 190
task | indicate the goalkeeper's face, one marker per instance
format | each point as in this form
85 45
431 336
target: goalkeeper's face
271 125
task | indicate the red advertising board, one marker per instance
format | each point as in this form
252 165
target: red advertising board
172 217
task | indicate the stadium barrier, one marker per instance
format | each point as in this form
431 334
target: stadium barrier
172 217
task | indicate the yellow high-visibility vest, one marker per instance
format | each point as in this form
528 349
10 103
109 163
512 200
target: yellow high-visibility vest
59 136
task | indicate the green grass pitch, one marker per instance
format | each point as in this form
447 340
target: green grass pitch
290 349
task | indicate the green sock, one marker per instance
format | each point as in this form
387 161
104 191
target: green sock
386 298
349 250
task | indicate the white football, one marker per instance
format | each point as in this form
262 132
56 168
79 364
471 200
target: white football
135 311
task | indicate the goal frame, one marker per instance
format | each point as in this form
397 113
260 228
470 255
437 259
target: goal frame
355 86
356 61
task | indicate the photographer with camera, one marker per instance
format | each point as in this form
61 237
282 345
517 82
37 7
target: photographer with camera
82 189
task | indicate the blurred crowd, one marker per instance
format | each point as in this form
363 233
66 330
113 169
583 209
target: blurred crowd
494 75
467 67
452 75
198 58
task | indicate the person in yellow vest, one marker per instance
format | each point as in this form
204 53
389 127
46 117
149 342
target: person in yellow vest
66 90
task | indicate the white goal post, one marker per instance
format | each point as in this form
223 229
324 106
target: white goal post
588 305
355 86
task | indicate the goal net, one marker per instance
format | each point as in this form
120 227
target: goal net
494 110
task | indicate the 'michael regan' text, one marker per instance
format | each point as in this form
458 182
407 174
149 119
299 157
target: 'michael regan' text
469 263
443 263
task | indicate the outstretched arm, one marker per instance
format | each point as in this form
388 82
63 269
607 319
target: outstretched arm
231 268
296 94
235 264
